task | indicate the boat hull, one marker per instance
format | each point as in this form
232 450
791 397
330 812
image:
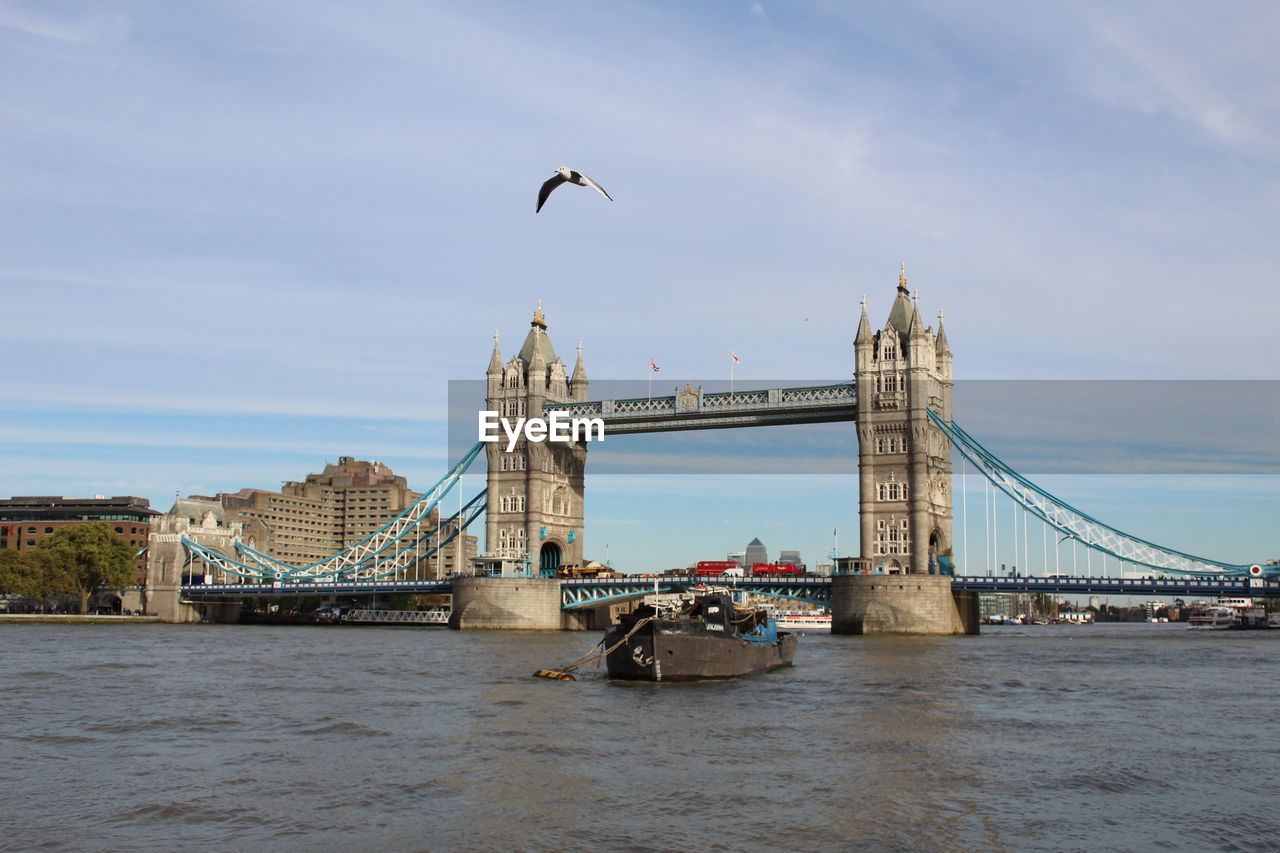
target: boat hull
684 651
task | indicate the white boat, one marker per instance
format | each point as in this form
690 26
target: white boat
1215 619
803 620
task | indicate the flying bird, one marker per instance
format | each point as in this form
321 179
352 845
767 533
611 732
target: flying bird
565 174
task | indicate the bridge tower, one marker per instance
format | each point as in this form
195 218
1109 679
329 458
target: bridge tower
535 498
904 483
904 461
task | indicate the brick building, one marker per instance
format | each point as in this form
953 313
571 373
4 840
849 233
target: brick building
24 521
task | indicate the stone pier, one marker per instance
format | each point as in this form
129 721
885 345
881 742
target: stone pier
900 604
529 604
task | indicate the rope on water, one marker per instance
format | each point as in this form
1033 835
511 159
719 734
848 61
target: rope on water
566 673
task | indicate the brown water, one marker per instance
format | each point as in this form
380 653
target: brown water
1117 737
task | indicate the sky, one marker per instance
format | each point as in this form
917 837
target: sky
239 239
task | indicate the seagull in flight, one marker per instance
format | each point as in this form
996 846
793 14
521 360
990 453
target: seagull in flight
566 175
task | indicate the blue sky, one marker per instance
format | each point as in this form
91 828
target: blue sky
239 239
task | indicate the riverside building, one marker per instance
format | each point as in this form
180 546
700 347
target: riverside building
307 521
24 521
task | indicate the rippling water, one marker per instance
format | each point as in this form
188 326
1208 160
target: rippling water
1118 737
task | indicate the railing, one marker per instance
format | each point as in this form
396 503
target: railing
438 616
720 401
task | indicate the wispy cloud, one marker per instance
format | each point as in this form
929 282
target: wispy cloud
83 26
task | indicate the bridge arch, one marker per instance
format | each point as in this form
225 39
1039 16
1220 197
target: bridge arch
550 556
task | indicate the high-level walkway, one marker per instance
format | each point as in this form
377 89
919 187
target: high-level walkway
693 409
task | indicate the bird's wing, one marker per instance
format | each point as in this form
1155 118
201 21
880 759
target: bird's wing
551 183
595 186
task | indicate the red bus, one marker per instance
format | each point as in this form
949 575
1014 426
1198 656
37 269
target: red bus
714 567
776 569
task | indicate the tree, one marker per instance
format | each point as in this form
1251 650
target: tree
91 555
32 574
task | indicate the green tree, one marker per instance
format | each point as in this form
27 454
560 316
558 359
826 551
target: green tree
91 555
32 574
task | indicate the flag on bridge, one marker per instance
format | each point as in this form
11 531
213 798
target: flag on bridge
654 367
735 358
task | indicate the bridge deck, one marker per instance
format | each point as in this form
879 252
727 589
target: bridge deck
590 592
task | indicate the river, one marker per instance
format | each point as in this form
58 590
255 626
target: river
157 737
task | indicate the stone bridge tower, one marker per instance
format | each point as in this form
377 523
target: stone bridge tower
534 503
904 461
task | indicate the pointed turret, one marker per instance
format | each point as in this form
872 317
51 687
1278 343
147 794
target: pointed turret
919 341
900 313
537 353
495 360
915 328
864 342
864 335
942 352
942 344
578 384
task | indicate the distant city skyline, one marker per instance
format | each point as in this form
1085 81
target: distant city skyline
244 240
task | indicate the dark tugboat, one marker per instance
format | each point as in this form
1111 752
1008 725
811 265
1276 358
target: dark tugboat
710 637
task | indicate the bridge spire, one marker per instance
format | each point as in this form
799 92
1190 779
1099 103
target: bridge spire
864 335
495 360
578 382
539 319
942 345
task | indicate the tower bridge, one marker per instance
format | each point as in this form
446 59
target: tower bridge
536 491
904 579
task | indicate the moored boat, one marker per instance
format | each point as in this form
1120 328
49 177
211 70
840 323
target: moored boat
803 620
709 637
1215 619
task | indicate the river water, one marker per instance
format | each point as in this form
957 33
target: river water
156 737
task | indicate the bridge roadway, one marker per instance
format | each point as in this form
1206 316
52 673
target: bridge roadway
591 592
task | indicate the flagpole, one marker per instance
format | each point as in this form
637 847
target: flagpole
731 363
650 372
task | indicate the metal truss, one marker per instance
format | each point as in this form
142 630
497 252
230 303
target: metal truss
1075 524
392 549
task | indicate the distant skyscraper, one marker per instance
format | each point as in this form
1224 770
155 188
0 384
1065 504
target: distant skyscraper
790 558
756 553
739 557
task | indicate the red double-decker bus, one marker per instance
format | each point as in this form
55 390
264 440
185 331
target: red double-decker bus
766 569
714 567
